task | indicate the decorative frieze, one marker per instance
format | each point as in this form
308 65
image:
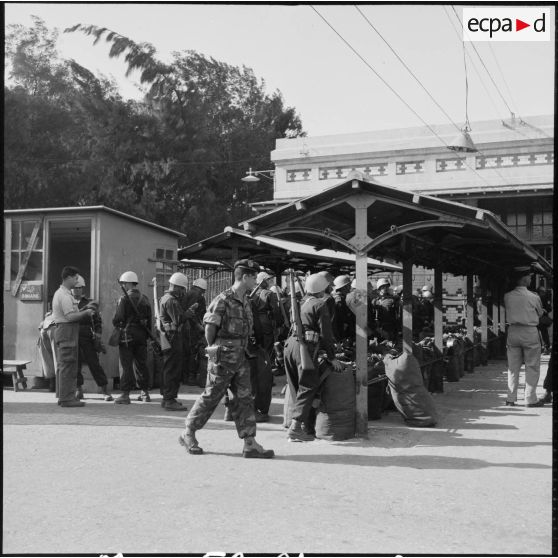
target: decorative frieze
409 167
298 175
514 160
446 165
340 172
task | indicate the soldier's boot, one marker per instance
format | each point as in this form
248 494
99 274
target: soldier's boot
123 399
79 393
106 394
253 450
144 396
262 417
174 405
188 440
296 434
228 415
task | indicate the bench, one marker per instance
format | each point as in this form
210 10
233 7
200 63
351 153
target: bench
16 368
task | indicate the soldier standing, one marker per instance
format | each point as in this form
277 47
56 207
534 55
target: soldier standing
344 322
195 306
173 317
386 307
228 326
132 346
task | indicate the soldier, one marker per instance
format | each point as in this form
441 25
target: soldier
173 317
328 297
193 330
228 327
89 343
386 308
304 384
265 307
132 345
344 323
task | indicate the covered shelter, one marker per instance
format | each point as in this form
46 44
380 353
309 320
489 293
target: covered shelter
277 254
369 218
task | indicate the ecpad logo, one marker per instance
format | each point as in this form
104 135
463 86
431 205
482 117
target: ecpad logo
506 24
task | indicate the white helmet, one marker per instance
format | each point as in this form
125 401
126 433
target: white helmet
353 283
327 275
201 283
179 279
427 287
128 277
80 282
316 283
382 282
427 294
263 276
341 281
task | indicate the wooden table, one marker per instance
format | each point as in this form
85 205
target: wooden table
16 368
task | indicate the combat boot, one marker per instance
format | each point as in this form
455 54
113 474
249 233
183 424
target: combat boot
123 399
188 440
174 405
262 417
79 393
144 396
106 394
296 434
253 450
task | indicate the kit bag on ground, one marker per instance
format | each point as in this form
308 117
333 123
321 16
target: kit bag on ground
335 419
406 385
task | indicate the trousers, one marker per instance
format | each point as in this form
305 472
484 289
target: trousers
221 377
133 358
46 351
523 347
89 355
172 368
303 384
66 356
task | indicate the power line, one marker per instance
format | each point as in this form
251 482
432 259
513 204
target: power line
502 74
399 96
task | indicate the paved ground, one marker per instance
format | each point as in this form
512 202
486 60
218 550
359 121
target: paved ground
108 478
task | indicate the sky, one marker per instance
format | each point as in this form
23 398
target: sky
293 50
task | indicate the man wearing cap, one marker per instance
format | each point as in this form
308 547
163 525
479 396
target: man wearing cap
194 300
228 326
66 317
89 344
132 346
344 322
386 308
173 316
523 310
304 384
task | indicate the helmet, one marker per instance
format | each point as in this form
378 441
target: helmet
201 283
427 287
128 277
327 275
341 281
382 282
179 279
276 289
263 276
316 283
80 282
427 294
353 283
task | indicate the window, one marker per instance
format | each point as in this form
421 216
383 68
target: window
22 233
163 271
542 220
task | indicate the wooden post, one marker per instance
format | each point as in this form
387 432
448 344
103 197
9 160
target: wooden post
470 311
408 306
484 315
438 309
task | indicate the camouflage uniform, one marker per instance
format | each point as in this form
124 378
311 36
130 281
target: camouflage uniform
234 321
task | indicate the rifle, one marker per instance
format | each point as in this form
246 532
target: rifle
154 342
305 357
165 343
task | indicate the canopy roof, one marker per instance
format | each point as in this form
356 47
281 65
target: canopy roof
273 253
401 226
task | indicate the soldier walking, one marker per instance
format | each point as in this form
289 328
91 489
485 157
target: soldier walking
228 326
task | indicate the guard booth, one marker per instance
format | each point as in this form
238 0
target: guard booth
102 243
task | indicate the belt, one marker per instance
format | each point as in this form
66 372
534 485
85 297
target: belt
524 325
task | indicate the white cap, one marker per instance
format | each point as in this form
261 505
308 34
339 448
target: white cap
128 277
179 279
201 283
341 281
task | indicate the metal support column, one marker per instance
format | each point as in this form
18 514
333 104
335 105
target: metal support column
408 306
470 315
484 316
438 309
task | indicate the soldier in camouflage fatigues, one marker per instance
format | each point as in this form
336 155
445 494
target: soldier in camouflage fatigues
228 325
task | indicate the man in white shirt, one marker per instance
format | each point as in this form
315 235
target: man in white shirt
66 316
523 310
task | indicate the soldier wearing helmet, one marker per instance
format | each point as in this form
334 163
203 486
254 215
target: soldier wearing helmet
132 346
386 310
173 317
344 322
195 306
228 327
267 318
304 384
89 342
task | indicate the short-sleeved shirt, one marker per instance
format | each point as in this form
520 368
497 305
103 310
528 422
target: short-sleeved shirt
63 303
231 314
522 307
